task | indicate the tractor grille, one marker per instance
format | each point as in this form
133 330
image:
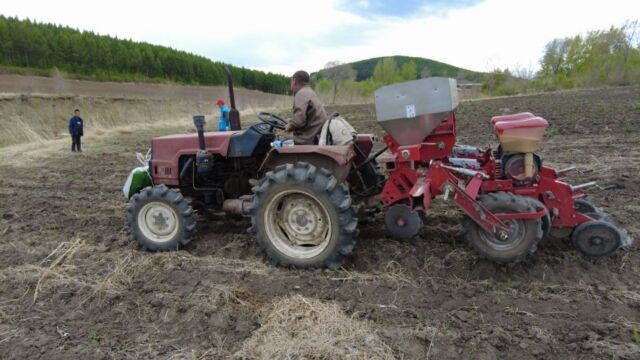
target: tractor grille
498 172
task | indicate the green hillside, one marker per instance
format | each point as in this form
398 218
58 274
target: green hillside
25 44
365 68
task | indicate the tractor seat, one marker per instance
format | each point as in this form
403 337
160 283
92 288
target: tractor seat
521 135
518 116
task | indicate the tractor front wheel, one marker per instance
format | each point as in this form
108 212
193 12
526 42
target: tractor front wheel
160 218
302 217
525 233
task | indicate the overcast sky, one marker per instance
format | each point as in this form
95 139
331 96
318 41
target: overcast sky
286 35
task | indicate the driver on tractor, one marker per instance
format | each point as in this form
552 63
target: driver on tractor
308 112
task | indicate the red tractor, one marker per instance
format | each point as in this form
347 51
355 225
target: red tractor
303 200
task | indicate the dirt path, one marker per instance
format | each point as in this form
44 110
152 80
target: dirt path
72 285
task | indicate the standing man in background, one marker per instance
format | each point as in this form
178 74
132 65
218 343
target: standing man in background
308 112
76 130
224 116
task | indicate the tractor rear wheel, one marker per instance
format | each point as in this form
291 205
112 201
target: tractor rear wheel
160 218
302 217
525 233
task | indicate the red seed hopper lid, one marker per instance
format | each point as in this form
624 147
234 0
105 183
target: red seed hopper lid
518 116
530 123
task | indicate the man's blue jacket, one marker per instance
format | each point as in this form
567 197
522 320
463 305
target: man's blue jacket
75 126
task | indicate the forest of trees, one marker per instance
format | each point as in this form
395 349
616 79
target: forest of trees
598 58
39 46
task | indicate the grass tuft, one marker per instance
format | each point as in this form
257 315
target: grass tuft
96 335
636 335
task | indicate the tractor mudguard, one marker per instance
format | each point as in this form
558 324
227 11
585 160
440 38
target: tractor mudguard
336 159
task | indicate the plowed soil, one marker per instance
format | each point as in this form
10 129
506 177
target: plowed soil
72 284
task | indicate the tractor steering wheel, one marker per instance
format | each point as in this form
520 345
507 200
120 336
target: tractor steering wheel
272 120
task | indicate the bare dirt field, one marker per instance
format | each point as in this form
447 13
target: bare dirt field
72 285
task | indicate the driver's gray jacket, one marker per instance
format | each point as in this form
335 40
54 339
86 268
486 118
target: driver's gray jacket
308 116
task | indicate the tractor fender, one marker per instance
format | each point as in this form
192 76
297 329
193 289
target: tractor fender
336 159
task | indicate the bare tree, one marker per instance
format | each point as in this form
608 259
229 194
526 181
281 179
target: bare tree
525 73
338 73
555 55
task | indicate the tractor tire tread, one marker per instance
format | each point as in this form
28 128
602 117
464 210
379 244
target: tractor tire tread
323 182
489 200
171 197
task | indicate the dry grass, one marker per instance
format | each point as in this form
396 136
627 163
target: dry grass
25 141
391 273
302 328
63 252
37 119
67 267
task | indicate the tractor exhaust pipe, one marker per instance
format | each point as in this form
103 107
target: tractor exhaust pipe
234 115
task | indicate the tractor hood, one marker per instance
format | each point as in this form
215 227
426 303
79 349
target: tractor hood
171 147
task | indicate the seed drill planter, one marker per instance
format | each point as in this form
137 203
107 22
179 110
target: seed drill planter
302 199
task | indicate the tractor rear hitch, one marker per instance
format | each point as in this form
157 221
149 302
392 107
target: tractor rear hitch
371 158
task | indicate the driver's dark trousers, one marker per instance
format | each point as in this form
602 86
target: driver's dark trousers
75 142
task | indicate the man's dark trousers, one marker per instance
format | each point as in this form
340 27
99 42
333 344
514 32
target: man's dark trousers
75 142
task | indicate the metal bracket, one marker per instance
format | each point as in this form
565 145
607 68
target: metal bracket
594 184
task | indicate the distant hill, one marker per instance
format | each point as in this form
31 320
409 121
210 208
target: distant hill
365 68
48 48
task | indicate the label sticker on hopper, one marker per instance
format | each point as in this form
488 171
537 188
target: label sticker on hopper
411 111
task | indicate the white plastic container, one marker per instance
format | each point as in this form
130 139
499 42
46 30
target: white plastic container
523 135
